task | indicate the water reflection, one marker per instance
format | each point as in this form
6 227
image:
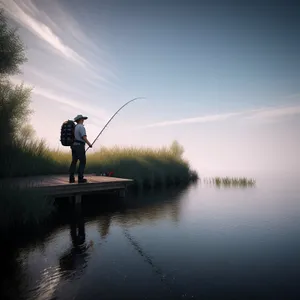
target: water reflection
56 265
104 223
75 259
147 258
52 266
185 243
151 208
14 278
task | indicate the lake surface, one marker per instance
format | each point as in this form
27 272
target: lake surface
202 242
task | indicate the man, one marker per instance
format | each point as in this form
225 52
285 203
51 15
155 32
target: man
78 150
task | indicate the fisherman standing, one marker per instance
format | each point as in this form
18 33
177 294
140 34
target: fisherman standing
78 150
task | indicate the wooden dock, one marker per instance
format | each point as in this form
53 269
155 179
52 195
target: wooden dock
58 185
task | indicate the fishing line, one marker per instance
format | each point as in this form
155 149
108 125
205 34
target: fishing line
126 233
113 117
158 271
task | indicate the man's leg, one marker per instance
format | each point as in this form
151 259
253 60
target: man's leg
82 163
73 165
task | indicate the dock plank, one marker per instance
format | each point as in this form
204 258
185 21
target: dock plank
58 185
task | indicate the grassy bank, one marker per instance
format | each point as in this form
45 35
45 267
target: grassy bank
150 168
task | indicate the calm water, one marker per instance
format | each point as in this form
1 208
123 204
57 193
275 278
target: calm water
198 243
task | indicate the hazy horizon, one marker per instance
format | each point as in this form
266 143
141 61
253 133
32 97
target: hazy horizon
222 79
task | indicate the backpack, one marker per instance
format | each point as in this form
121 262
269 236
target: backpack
67 133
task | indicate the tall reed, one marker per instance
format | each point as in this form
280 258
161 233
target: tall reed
148 167
230 181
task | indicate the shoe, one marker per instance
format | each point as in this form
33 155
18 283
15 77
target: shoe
82 180
71 180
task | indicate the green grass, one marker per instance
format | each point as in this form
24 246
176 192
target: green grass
230 181
149 168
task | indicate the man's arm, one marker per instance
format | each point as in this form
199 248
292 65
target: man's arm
87 141
84 137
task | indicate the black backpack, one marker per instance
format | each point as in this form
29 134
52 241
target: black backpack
67 133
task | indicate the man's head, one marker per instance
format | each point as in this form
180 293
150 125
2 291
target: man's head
79 119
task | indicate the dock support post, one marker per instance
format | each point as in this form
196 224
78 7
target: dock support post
78 202
77 199
122 193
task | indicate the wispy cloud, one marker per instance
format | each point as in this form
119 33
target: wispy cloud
42 25
201 119
23 11
47 80
260 113
275 113
90 109
96 51
99 114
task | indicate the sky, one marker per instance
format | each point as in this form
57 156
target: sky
220 77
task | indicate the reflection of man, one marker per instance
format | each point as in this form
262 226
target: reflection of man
77 239
76 257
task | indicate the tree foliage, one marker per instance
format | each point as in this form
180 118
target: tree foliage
12 50
14 110
25 135
14 99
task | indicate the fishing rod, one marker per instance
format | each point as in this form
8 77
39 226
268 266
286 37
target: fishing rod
113 117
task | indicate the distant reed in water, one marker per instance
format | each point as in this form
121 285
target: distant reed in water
230 181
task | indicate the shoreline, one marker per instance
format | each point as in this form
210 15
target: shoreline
151 169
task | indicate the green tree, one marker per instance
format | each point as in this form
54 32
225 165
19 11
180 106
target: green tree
14 99
14 111
12 50
25 136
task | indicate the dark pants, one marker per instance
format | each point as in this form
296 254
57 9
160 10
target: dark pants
78 153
